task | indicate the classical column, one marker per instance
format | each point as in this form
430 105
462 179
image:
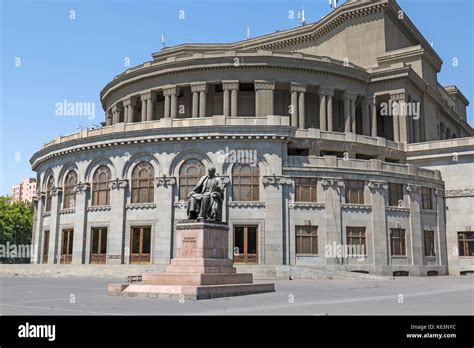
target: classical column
38 233
381 243
163 241
149 107
195 111
231 88
264 97
329 111
127 105
108 118
170 101
348 98
201 89
331 224
116 113
353 116
402 117
297 101
322 112
294 109
374 116
415 235
396 131
55 232
226 102
143 99
365 116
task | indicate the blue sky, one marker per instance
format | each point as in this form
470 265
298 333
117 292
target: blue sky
72 59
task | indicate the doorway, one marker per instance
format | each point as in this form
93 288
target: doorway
66 248
45 246
140 244
99 245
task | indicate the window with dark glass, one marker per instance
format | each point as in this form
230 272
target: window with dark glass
66 246
189 174
395 194
49 189
100 186
397 238
142 183
140 244
356 240
429 243
45 246
306 239
305 189
355 191
426 198
98 245
466 243
69 193
245 182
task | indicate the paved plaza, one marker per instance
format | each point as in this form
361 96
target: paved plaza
399 296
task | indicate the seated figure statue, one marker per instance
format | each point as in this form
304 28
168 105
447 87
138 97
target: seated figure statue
205 200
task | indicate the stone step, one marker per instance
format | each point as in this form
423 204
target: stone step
196 279
201 269
179 292
195 262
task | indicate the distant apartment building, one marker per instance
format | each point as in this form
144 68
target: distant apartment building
24 191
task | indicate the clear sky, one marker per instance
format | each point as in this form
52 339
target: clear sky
48 57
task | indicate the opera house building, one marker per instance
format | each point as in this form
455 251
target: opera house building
338 148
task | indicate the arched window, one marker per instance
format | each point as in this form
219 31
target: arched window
69 193
100 186
142 183
245 182
189 174
49 188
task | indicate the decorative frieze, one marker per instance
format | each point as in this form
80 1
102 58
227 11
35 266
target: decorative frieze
68 211
246 204
140 206
468 192
359 207
397 209
98 208
268 85
118 184
165 181
276 180
306 205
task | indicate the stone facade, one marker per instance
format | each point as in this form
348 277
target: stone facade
305 103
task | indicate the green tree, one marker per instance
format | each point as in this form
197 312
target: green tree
16 221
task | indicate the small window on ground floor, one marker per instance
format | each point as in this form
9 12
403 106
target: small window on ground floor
398 245
466 243
307 239
356 241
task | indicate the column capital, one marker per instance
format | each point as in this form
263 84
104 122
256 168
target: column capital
146 95
169 90
349 95
297 87
261 84
81 187
377 185
328 91
118 184
117 107
130 101
412 188
165 181
198 87
230 84
327 182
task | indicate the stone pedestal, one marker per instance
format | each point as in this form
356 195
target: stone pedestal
200 270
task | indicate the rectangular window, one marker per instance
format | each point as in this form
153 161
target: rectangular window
356 240
305 189
307 239
397 238
66 247
355 191
429 243
45 246
466 243
395 195
427 198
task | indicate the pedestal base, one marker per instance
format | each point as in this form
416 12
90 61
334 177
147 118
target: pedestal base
201 269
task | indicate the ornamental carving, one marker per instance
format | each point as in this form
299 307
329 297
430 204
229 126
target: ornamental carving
165 181
268 85
141 206
81 187
411 188
297 87
332 182
356 206
377 185
276 180
118 184
55 191
99 208
469 192
439 192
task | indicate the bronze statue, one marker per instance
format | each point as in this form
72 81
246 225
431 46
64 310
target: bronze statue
205 200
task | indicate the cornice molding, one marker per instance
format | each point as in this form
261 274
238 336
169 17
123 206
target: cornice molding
467 192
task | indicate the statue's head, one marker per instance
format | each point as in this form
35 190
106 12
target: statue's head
211 171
